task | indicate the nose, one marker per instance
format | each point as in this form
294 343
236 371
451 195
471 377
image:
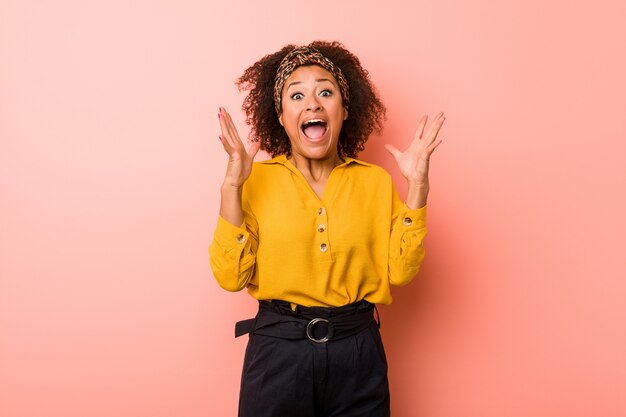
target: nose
313 104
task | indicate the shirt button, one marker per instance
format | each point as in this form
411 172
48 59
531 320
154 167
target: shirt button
241 238
408 221
321 228
323 247
321 211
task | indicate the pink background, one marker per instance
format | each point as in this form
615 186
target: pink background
110 169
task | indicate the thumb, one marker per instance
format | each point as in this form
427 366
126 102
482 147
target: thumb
254 148
395 152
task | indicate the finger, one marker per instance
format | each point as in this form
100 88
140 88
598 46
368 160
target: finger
226 135
434 129
226 126
432 147
420 126
232 130
418 133
227 147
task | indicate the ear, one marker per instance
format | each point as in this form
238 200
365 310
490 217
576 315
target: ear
345 113
280 120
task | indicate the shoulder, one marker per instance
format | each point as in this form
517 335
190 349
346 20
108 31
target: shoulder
269 166
366 169
271 163
268 173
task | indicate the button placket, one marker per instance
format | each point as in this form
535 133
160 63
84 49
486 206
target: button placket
322 230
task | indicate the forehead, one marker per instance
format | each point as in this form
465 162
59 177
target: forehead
309 73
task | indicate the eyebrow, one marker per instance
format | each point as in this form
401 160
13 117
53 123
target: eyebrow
317 81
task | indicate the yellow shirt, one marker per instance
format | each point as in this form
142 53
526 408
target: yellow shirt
351 244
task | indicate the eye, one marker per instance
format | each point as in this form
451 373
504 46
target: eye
326 93
297 96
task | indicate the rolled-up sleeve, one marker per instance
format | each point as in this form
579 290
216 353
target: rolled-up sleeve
233 253
406 245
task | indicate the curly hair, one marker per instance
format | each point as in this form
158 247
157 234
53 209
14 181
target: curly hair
366 113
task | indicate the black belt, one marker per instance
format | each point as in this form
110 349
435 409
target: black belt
319 324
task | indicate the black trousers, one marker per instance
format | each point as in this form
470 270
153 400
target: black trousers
300 378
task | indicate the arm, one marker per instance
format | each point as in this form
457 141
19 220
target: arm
234 244
233 253
237 171
406 243
406 250
414 162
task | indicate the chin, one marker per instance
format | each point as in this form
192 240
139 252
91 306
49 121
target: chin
318 152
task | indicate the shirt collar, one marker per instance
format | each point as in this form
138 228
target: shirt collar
282 160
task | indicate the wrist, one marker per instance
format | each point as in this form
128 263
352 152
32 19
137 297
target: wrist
421 184
417 195
227 188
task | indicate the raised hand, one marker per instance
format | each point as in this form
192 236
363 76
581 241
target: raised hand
239 160
413 162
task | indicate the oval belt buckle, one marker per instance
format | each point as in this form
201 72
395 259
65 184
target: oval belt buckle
309 328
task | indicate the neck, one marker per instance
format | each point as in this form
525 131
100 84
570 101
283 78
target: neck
316 169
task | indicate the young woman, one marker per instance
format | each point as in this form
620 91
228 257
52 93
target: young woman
317 236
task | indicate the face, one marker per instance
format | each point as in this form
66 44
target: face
312 113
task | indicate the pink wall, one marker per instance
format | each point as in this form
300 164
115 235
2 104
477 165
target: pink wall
109 174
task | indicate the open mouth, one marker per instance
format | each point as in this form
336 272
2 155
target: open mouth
314 128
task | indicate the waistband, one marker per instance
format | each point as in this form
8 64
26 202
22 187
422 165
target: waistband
319 324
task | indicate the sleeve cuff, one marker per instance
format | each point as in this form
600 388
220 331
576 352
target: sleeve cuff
229 236
413 219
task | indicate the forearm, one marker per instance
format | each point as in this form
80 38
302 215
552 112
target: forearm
230 206
406 248
417 194
233 254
